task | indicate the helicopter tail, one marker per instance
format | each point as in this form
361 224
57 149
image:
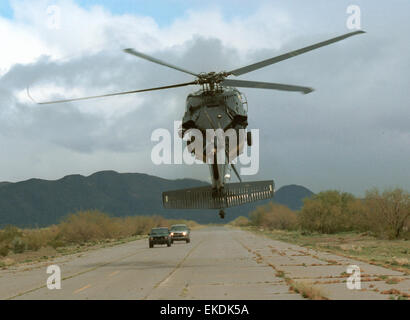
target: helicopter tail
233 194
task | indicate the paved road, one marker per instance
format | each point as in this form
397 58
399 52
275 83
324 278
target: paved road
219 263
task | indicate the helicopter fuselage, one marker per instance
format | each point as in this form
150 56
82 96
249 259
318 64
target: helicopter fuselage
222 108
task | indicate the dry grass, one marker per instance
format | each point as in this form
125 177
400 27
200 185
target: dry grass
393 280
280 274
307 290
391 291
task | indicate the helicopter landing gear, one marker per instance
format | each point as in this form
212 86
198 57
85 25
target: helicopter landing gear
222 214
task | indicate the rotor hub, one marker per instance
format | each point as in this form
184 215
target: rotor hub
211 77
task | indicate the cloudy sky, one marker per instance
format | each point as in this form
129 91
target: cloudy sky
351 134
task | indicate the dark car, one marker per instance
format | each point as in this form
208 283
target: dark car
159 236
180 232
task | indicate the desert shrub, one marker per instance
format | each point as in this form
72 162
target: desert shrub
240 222
34 241
357 211
38 238
329 212
4 250
9 233
18 245
56 243
256 216
406 230
388 213
11 239
138 225
86 226
274 216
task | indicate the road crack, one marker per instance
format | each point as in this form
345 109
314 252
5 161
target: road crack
166 279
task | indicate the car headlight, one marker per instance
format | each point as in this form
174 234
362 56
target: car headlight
184 233
172 234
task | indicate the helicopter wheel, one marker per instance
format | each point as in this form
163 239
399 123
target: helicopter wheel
222 214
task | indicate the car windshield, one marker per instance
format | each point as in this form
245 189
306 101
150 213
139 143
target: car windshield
179 228
159 231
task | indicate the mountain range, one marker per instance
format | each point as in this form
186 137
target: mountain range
39 203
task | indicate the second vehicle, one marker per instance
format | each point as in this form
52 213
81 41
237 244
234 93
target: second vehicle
180 232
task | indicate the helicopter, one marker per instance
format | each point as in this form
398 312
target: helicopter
219 105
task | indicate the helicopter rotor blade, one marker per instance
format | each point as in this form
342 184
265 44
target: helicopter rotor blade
267 62
265 85
120 93
155 60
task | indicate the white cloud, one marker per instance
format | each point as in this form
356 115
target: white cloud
19 45
81 31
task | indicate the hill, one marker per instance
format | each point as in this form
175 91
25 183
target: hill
292 196
37 202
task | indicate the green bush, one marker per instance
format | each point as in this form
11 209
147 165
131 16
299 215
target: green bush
388 213
329 212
